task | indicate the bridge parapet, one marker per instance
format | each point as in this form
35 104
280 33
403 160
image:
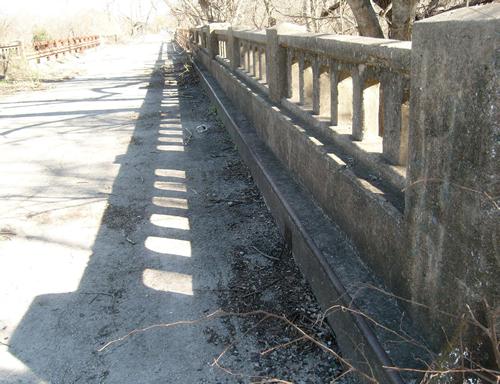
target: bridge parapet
357 85
351 117
12 49
354 88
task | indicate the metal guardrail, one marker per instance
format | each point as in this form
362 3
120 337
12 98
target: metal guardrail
49 48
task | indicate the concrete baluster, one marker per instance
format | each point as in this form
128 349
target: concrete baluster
334 93
358 128
301 79
259 55
249 58
264 64
254 61
289 79
246 61
316 85
394 149
242 55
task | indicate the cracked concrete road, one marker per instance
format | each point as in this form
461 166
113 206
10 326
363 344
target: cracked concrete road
99 230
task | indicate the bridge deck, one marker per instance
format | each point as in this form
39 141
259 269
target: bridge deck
117 214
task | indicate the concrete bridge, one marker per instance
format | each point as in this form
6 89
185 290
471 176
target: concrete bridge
128 220
391 145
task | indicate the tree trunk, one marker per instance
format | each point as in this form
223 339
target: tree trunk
305 15
366 18
207 10
403 14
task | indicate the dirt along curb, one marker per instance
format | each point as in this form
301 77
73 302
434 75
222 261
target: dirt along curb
264 276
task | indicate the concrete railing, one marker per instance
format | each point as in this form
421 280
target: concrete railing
348 86
397 142
356 85
250 57
12 49
184 37
7 52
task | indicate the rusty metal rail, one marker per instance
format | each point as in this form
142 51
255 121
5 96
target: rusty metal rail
54 48
48 49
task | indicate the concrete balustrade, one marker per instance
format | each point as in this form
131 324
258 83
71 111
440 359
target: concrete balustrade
350 117
354 90
9 50
360 96
354 71
243 52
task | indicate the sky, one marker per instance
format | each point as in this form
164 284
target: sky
55 8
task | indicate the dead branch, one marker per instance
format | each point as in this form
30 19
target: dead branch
304 336
456 185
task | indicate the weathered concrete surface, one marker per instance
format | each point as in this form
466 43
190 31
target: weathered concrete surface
438 246
347 194
454 165
117 213
326 256
354 49
107 147
431 236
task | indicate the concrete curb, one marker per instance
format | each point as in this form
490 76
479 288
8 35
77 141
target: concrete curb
358 342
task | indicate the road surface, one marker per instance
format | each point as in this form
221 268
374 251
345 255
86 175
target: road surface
119 212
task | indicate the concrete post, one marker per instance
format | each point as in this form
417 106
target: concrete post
21 51
264 64
394 150
248 61
233 49
302 95
276 64
334 102
289 86
244 55
453 174
204 36
191 40
212 43
254 62
259 57
316 87
358 131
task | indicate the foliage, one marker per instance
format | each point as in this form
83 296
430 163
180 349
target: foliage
377 18
40 34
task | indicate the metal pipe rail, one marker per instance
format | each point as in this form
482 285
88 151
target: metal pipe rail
47 49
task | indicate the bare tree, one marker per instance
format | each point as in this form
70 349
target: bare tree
5 25
368 24
403 14
375 18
